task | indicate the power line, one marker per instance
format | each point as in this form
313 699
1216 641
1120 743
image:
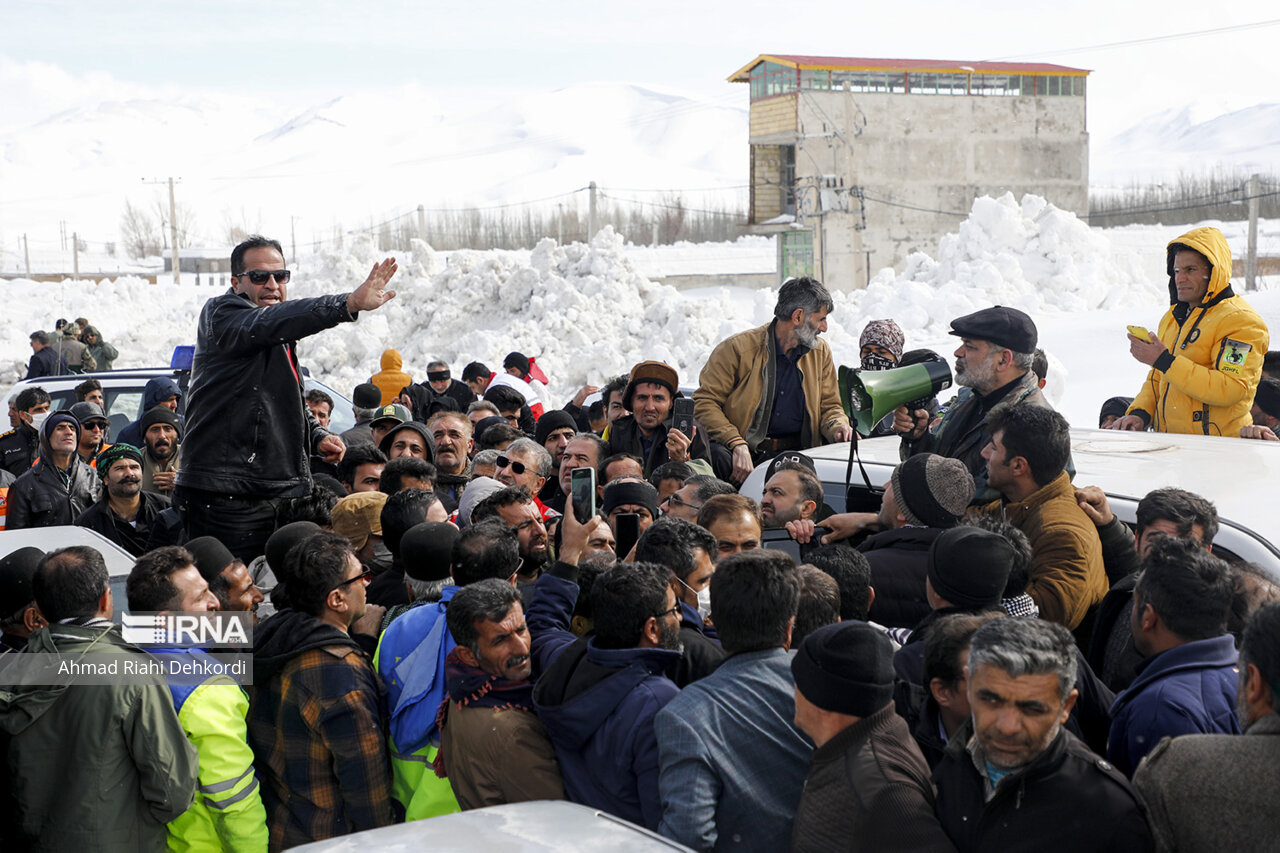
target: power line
1135 42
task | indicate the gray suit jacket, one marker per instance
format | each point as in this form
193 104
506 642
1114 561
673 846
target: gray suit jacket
1214 792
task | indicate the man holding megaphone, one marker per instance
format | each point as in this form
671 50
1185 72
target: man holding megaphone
997 346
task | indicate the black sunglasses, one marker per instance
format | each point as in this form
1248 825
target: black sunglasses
517 468
437 375
365 575
263 276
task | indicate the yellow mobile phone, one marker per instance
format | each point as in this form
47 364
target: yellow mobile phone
1141 334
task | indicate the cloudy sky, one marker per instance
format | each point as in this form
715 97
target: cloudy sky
294 50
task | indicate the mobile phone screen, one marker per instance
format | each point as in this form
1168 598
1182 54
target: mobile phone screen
582 492
626 532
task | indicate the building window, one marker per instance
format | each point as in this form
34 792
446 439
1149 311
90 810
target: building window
797 254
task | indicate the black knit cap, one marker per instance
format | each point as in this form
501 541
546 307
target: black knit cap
285 538
552 421
1005 327
16 571
845 668
160 415
211 556
366 396
969 567
1115 407
635 494
427 550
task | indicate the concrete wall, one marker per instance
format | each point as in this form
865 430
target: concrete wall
936 152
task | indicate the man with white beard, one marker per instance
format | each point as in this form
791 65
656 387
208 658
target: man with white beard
997 345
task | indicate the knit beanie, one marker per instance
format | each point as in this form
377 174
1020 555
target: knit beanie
969 567
366 396
114 454
552 421
634 493
884 333
211 556
845 668
1115 407
283 540
160 415
427 550
932 490
60 417
358 516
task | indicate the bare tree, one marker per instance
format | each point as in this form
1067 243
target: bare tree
139 232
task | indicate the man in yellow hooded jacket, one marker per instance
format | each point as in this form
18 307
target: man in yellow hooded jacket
1206 357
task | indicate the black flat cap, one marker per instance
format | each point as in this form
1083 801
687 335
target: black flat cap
1005 327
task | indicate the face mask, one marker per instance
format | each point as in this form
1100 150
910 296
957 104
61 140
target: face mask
704 599
37 420
874 361
382 556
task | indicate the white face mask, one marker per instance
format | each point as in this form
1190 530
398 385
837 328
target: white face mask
704 599
38 419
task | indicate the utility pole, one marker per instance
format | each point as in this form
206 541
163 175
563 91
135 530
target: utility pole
173 233
591 212
422 222
75 256
1251 260
26 255
173 229
293 241
560 224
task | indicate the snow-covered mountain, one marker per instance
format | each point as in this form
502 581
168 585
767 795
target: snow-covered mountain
1190 139
360 158
354 159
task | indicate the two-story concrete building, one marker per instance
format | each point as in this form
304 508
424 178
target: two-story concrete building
856 163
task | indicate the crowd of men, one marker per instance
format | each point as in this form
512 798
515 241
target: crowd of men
987 660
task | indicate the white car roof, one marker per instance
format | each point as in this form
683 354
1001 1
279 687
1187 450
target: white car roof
541 825
1234 473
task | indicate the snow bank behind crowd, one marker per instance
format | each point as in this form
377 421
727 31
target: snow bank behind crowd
585 313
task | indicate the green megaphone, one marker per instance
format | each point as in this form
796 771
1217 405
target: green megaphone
869 395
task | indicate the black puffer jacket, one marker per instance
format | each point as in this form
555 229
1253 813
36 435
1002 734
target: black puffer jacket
899 562
248 431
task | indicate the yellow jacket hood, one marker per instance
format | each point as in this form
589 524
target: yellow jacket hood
391 359
1210 243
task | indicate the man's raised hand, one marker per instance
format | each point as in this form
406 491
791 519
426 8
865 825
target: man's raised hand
372 293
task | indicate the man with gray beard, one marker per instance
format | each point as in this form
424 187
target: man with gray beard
993 363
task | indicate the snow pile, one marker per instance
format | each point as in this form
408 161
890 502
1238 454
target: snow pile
586 313
1029 255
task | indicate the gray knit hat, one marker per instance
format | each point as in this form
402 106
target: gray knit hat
932 490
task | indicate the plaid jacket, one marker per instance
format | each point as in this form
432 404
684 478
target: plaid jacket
319 740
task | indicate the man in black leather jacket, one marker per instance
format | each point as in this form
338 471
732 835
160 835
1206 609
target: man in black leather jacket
249 433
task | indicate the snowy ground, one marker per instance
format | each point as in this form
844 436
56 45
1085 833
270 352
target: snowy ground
589 312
